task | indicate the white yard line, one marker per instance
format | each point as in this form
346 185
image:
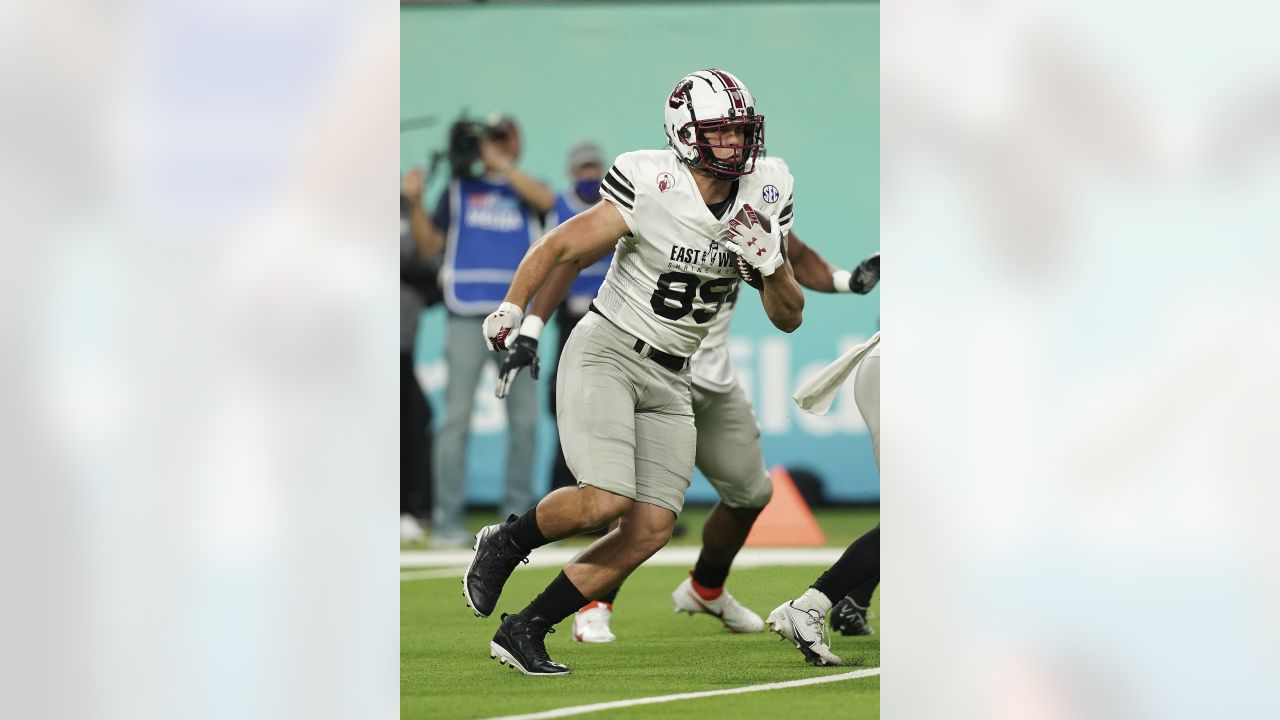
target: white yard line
553 556
596 707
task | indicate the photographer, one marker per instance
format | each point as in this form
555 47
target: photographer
487 220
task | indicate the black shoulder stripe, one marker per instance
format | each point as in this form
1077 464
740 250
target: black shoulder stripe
612 182
615 171
613 195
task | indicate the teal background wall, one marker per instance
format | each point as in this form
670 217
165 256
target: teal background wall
598 71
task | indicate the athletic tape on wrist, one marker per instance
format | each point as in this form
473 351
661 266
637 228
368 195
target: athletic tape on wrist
841 278
532 327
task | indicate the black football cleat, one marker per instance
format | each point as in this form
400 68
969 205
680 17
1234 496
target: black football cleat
496 557
521 643
849 619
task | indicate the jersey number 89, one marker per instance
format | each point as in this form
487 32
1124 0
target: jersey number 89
673 298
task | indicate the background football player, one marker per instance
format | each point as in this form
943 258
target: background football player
803 620
624 396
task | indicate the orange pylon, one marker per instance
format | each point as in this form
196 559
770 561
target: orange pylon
786 521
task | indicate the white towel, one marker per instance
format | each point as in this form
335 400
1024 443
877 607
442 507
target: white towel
817 395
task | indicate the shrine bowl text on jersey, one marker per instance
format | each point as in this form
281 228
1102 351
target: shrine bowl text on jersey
671 276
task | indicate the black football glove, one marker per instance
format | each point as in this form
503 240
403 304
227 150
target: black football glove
523 353
866 275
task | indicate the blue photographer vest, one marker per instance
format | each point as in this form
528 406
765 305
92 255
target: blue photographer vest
588 281
490 230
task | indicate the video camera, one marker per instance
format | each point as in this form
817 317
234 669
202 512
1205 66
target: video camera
464 142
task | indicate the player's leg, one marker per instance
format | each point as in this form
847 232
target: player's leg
500 548
465 354
729 454
803 620
860 563
593 622
851 614
866 391
602 566
614 411
664 445
596 404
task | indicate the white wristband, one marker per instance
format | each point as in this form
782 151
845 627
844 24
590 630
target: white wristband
531 327
839 278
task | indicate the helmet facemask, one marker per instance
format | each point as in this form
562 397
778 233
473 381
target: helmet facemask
743 162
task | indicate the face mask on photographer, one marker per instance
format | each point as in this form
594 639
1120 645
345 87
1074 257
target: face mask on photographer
587 190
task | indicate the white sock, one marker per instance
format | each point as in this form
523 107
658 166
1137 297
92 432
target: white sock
814 600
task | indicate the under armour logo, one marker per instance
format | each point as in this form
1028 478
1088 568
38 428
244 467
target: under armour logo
760 251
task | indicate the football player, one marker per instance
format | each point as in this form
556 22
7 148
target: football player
803 620
728 448
624 398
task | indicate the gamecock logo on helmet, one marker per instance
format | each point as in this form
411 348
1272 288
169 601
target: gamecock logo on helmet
678 95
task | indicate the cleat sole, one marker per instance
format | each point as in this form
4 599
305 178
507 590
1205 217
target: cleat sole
496 650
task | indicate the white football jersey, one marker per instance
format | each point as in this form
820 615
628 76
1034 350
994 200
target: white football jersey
671 276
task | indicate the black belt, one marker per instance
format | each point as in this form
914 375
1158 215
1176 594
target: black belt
674 363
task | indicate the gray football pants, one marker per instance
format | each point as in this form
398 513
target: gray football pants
866 391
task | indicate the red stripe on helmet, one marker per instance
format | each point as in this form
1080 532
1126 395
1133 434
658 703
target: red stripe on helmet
731 87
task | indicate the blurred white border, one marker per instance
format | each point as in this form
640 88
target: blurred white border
1079 224
199 309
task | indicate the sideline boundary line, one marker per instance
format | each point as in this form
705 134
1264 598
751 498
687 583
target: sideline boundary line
555 556
615 704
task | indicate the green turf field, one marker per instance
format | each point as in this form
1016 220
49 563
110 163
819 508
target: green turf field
446 671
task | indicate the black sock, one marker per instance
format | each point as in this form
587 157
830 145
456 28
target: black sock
610 596
861 595
859 564
708 574
524 531
560 600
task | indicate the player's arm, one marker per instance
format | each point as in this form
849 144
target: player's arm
524 349
583 236
760 245
556 288
426 236
783 299
812 271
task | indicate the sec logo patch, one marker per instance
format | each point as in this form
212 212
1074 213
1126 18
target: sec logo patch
770 194
666 181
